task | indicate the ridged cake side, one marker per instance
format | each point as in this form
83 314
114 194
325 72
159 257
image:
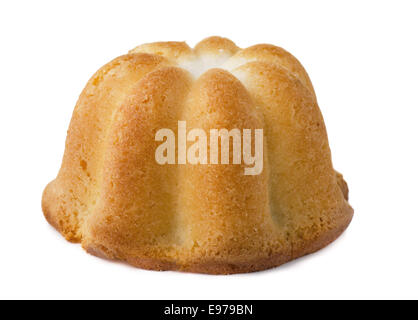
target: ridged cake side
69 198
112 195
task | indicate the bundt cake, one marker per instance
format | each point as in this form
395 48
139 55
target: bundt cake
112 195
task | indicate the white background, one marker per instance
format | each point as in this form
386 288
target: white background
362 59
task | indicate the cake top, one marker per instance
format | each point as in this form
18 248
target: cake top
222 53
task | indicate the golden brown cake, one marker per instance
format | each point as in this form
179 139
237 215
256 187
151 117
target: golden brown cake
113 197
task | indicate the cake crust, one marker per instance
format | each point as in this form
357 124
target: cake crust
225 267
119 203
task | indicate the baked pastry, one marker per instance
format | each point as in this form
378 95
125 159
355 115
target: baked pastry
115 198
